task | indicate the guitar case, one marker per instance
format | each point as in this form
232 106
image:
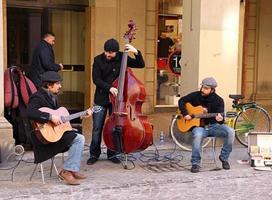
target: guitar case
17 90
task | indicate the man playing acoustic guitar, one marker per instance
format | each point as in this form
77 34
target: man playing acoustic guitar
211 103
71 140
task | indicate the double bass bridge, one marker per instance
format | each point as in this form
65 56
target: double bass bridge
120 113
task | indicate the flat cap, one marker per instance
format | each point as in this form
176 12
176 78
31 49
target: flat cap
210 82
51 76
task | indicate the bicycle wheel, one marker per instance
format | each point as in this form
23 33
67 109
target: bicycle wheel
253 119
183 140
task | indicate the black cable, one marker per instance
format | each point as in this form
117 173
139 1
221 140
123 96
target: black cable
153 160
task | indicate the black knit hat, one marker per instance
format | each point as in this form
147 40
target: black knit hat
111 45
51 76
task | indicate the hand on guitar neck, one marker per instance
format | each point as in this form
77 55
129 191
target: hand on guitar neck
56 119
88 113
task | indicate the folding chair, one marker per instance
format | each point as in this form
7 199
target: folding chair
53 165
213 139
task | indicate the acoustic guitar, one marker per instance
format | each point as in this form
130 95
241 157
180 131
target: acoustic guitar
197 113
48 132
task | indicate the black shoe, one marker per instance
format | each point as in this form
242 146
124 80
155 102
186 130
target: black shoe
195 168
91 160
114 160
225 164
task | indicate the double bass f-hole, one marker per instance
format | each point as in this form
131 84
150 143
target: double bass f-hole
131 115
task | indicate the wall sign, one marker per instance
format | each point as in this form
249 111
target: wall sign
173 62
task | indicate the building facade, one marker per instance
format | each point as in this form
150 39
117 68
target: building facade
229 40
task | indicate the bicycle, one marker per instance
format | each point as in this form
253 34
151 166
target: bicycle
244 118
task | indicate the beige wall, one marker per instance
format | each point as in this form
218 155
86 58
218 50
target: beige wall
264 52
2 63
69 28
5 127
190 46
210 45
219 42
257 52
249 53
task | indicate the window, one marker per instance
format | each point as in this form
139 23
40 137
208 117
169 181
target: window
169 51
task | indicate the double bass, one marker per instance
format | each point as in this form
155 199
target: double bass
127 130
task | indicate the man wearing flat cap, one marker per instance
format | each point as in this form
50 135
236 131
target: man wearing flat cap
71 140
214 126
106 68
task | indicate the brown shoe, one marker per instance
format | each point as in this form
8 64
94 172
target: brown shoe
78 175
68 177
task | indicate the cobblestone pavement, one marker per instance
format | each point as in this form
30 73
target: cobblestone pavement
158 180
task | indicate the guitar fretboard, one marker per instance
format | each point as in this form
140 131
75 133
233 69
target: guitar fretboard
73 116
206 115
68 118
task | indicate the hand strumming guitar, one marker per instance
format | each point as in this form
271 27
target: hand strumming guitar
56 120
187 117
219 117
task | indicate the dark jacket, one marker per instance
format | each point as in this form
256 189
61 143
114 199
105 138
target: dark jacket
213 102
43 60
105 72
42 151
164 44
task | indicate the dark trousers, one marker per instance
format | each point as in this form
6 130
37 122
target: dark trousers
98 123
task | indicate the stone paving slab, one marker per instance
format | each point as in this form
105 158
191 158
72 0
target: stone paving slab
110 181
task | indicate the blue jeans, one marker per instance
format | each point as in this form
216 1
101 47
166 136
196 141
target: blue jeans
72 163
98 124
213 130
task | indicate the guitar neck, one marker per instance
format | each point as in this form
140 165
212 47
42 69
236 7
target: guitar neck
206 115
73 116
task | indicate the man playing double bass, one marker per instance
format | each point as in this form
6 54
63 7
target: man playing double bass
106 69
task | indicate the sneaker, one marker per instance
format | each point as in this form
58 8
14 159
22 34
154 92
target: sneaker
91 160
225 164
114 160
195 168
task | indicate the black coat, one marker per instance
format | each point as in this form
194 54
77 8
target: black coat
43 60
213 102
42 151
105 72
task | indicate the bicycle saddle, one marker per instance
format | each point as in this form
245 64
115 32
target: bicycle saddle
236 96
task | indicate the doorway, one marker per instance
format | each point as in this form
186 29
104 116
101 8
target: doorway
25 27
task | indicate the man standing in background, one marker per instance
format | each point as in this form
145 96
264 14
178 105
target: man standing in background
43 59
